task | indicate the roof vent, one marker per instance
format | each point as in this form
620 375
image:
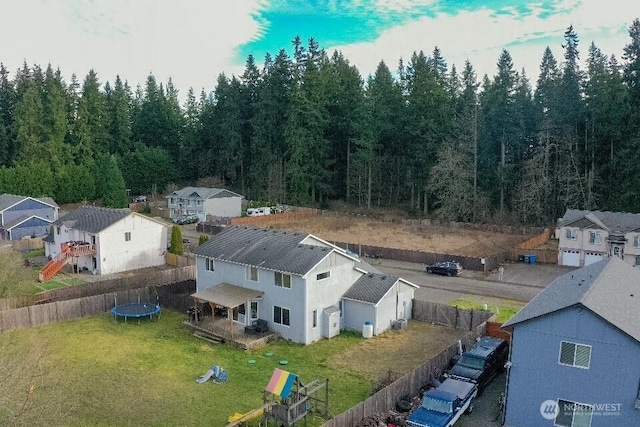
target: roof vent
370 274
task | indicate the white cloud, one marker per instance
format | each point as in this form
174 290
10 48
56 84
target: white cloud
190 41
481 35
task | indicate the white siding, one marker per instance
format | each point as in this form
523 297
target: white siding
327 292
223 206
146 248
395 305
356 313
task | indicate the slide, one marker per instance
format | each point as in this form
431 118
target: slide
206 377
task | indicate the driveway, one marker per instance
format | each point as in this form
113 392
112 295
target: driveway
486 409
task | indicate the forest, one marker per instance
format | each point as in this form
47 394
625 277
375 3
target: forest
306 128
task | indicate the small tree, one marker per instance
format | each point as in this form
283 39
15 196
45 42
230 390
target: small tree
203 238
176 241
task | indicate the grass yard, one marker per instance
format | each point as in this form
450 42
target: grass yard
505 309
18 279
101 373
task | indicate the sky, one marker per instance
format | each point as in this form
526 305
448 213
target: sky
193 41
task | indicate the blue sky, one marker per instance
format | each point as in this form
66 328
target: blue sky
192 41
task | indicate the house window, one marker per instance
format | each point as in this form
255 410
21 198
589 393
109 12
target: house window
637 260
172 201
198 202
252 273
636 241
188 202
324 275
341 308
576 355
572 414
58 229
571 234
127 236
283 280
209 265
281 315
315 318
595 237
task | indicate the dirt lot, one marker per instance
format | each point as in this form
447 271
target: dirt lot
398 351
398 235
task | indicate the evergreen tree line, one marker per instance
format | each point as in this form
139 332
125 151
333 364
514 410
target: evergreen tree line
307 128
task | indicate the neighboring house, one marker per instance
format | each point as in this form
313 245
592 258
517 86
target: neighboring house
575 350
304 287
204 201
115 239
586 237
22 216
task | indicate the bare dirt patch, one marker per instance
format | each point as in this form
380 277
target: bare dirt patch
398 351
419 237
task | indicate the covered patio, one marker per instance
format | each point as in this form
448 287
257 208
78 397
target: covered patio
220 326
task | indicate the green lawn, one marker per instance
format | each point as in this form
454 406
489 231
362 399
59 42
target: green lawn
98 372
18 279
504 309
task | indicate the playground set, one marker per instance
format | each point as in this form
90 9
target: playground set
287 400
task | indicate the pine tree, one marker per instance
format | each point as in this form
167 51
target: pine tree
114 191
177 246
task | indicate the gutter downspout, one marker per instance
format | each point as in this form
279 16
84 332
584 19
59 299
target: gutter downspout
506 387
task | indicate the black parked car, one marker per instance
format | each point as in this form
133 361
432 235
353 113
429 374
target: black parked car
481 362
445 268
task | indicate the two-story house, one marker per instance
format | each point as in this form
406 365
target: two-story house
106 241
304 287
22 216
575 350
203 201
586 237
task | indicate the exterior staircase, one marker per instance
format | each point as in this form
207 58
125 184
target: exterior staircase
68 251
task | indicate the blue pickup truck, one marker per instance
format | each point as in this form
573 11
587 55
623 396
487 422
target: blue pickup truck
444 405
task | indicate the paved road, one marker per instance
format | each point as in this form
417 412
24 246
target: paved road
532 279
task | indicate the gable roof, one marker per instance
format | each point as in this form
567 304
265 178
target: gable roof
22 219
92 219
610 288
202 193
372 287
8 200
621 222
278 250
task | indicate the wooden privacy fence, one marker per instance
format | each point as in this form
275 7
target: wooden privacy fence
175 296
261 221
27 244
494 329
162 277
536 241
455 317
543 256
409 384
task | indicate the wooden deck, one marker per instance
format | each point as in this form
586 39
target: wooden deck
218 331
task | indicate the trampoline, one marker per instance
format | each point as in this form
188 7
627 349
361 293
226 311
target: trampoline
136 310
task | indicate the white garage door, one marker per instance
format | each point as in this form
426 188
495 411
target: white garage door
571 258
590 258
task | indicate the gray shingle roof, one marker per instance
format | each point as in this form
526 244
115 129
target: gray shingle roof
22 219
202 192
92 219
622 222
370 287
7 200
610 288
277 250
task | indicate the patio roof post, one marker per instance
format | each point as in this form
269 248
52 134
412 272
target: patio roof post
196 301
230 316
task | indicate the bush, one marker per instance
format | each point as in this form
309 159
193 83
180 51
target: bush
203 238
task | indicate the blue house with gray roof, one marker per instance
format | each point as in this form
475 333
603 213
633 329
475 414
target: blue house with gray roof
304 287
575 351
22 216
